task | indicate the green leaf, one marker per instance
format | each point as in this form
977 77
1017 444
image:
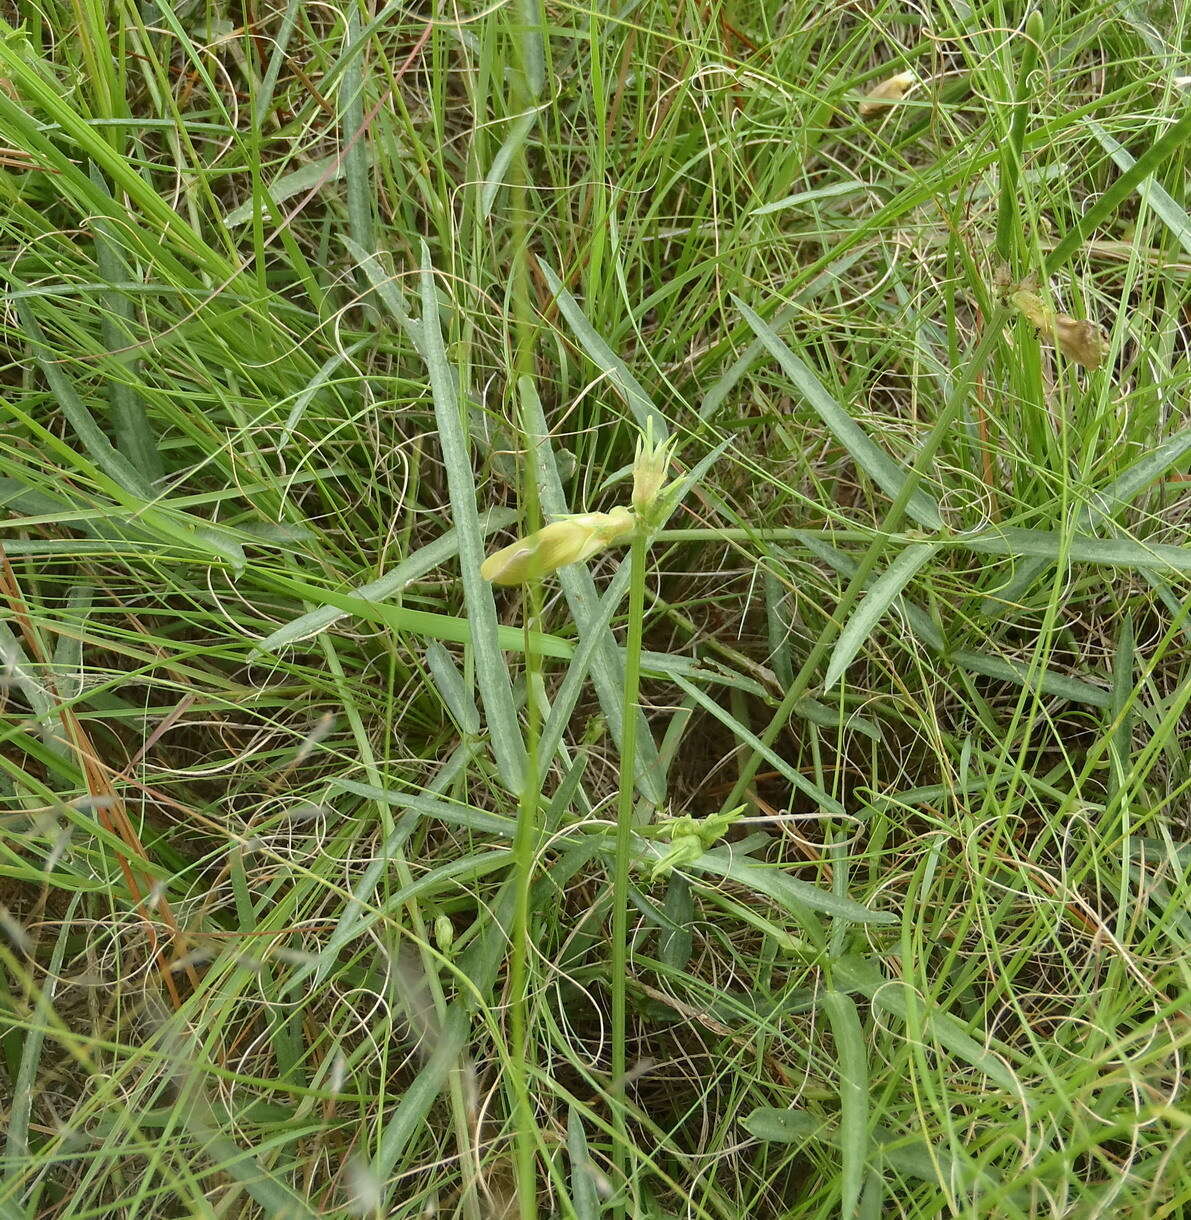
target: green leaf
1031 677
727 382
857 975
602 356
584 1197
873 460
416 1099
492 675
453 813
450 685
410 569
1048 681
1102 505
305 178
67 665
853 1096
909 1155
494 180
873 607
834 191
98 447
1127 553
1110 200
24 1087
135 439
385 287
674 948
316 383
1149 189
778 885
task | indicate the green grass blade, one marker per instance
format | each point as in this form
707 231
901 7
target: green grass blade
741 733
602 356
407 572
875 463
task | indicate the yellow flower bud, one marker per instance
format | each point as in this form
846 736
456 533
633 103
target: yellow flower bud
888 91
571 540
650 467
1035 311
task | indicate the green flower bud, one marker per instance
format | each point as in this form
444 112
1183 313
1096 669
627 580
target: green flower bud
1032 307
570 540
444 933
650 467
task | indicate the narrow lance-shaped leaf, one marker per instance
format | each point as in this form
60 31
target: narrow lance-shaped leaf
603 357
1102 505
1107 204
492 676
872 608
95 442
410 569
873 460
1149 189
853 1096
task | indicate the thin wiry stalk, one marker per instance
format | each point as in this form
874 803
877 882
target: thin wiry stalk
620 873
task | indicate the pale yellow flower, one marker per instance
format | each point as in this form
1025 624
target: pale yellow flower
879 97
570 540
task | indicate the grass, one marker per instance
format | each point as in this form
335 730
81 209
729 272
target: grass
330 875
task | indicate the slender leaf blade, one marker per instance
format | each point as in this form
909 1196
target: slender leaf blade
873 460
853 1096
873 607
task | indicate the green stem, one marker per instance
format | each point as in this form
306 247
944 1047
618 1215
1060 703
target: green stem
624 834
527 85
1009 209
524 851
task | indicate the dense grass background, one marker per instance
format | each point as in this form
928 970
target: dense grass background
267 950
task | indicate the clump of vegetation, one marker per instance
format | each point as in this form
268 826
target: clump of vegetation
594 611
